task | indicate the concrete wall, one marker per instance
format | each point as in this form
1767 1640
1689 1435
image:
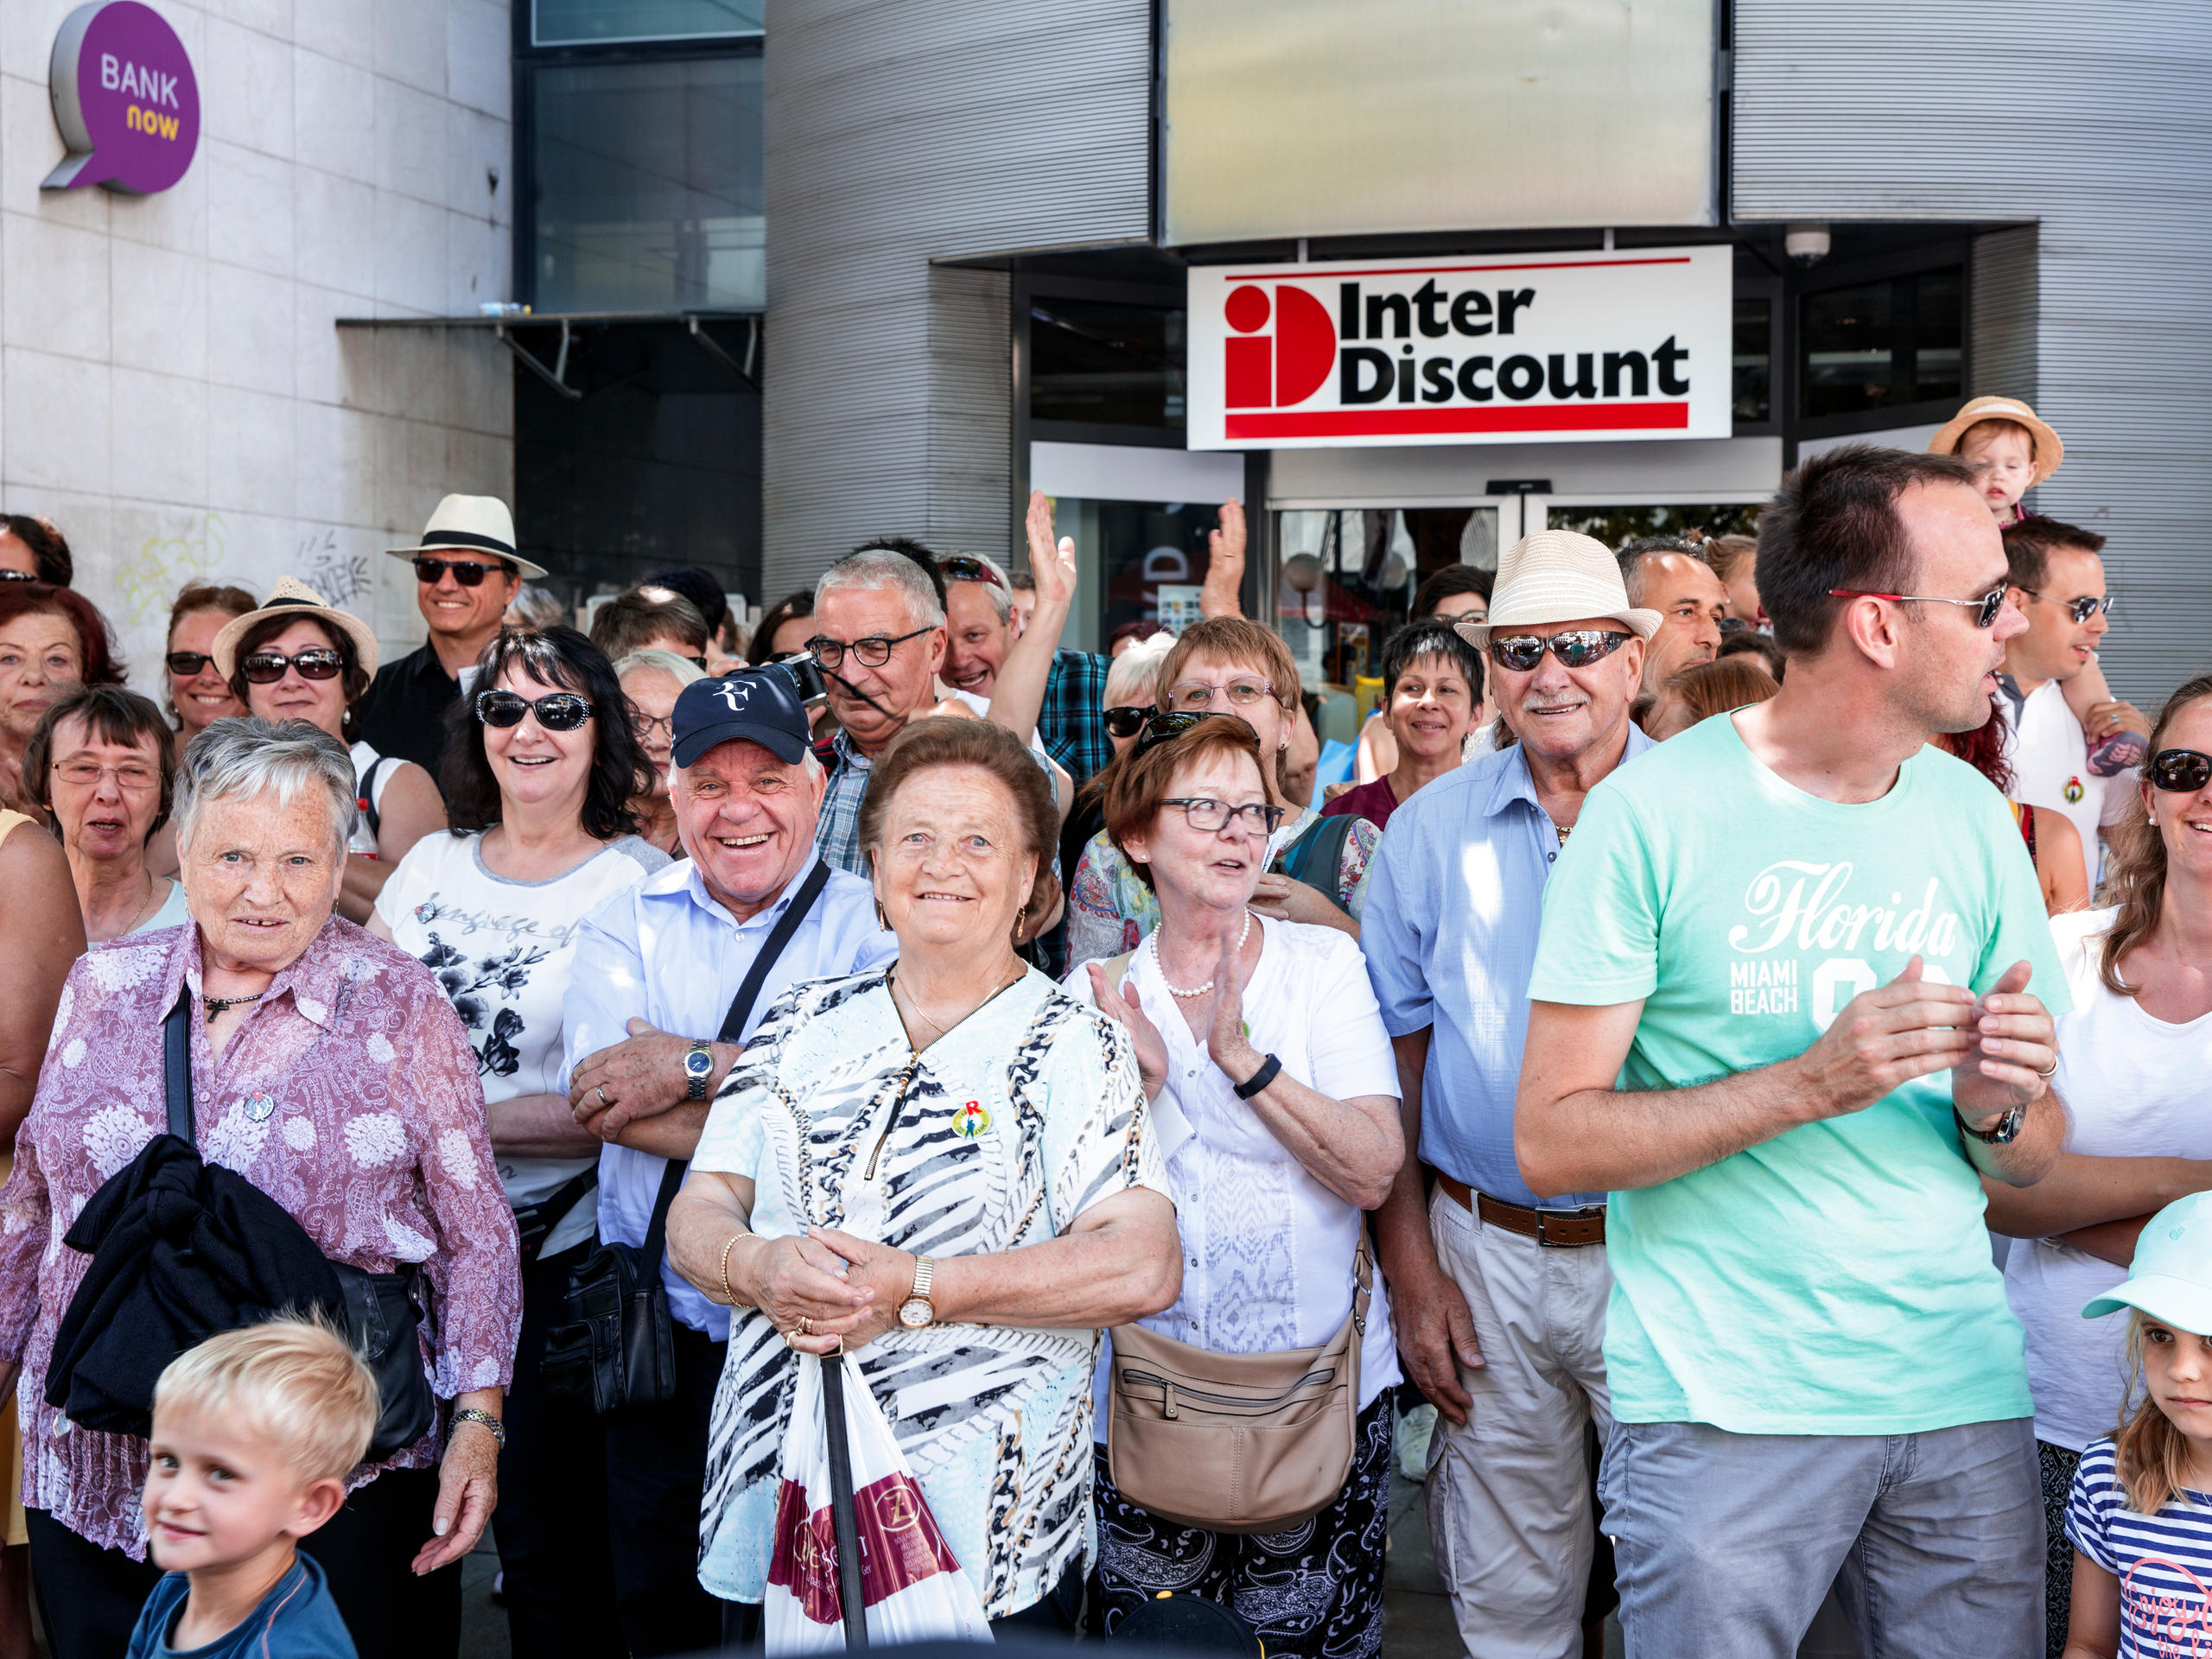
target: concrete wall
173 391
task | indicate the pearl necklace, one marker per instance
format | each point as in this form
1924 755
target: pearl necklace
1152 940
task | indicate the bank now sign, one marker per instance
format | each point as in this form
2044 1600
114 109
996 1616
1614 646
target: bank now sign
1632 344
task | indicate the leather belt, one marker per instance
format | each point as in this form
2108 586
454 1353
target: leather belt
1555 1230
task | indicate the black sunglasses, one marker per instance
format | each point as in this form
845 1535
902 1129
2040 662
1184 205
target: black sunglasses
1165 729
873 651
1577 648
2180 771
467 572
965 567
556 711
267 667
186 664
1126 718
2079 609
18 576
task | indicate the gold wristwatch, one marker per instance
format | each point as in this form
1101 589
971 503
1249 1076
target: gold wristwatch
917 1311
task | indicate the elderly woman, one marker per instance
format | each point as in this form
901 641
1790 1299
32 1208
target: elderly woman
100 764
50 638
199 694
327 1069
1269 1181
298 658
651 681
945 1167
1317 867
539 782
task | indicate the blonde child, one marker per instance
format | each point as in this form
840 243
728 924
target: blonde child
2013 449
2139 1516
254 1432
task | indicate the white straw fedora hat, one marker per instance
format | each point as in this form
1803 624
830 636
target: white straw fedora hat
471 523
2048 450
292 597
1557 575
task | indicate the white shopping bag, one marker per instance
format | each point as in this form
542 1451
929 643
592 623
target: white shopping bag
914 1589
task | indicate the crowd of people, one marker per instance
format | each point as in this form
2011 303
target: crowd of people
1685 1099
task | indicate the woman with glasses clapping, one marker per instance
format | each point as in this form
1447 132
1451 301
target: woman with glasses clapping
298 658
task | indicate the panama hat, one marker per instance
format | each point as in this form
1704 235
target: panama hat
1557 575
471 523
292 597
2048 450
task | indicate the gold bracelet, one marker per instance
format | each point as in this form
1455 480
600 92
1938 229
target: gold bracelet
729 1295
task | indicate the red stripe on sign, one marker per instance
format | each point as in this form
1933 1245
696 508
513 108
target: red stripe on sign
1294 274
1416 422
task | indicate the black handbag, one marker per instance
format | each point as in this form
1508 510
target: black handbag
616 1350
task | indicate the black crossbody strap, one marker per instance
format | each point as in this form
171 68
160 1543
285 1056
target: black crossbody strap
176 1065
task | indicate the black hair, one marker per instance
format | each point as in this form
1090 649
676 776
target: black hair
1834 524
353 679
112 714
698 585
1451 581
49 548
762 648
907 547
1409 643
2029 543
557 657
1750 642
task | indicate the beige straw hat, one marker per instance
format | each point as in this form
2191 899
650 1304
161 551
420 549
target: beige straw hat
471 523
2048 450
1557 575
291 597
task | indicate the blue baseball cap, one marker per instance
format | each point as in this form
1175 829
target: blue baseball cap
2171 1276
759 705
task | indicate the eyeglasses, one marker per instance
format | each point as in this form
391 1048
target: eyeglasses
186 664
1577 648
1210 817
86 774
267 667
1985 608
1126 719
467 572
556 711
1165 729
2180 771
964 567
645 725
1245 691
873 651
2079 609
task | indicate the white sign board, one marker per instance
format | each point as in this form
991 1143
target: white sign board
1563 347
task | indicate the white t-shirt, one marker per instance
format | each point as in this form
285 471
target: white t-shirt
502 951
1267 1249
2049 757
2134 1088
364 839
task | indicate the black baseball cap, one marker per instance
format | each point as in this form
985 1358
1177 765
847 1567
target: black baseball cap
759 705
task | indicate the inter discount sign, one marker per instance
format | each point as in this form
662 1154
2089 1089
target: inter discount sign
124 98
1633 344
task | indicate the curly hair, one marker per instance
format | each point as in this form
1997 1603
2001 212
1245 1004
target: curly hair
560 660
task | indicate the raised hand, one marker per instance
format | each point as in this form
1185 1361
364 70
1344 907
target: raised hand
1226 1038
2014 1044
1222 593
1124 1010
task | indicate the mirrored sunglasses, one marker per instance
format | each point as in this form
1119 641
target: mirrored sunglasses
267 667
556 711
1126 719
1577 648
2180 771
963 567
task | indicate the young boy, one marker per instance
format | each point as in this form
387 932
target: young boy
254 1432
2013 449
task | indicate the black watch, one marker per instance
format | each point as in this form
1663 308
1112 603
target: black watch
698 1066
2007 1132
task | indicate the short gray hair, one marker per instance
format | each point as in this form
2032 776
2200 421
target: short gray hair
1001 592
681 669
875 567
1133 677
249 756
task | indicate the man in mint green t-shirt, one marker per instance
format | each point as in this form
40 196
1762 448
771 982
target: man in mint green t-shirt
1781 1012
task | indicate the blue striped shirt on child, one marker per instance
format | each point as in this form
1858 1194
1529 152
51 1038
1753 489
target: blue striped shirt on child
2162 1561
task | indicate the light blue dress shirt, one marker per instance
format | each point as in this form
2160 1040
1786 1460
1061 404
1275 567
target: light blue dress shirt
1454 902
665 952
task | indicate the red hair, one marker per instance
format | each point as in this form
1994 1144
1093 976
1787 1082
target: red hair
95 642
1983 748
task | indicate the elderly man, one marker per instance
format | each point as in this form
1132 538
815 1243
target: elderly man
644 1047
1781 1011
1669 576
1501 1304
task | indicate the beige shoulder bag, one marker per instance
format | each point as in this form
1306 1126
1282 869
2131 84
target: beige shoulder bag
1235 1442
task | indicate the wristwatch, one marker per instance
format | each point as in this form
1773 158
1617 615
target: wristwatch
2003 1132
698 1066
917 1311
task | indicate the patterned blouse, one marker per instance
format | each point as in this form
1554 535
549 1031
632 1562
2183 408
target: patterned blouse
349 1095
1023 1116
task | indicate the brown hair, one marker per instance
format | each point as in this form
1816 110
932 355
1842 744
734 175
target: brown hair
2029 543
351 676
1139 779
2135 872
950 741
632 620
1234 638
95 644
1716 687
111 713
1727 553
232 603
1999 423
2150 1455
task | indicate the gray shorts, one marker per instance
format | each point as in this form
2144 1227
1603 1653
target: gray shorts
1725 1544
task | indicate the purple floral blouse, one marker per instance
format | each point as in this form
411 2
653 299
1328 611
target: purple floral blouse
349 1095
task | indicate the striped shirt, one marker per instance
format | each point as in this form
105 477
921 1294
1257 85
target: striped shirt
2162 1561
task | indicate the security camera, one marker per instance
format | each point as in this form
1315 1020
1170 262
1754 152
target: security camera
1806 244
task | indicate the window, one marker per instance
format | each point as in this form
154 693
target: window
1754 360
604 22
1103 362
1881 346
1615 525
1346 579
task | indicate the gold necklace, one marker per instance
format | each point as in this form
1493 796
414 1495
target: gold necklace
921 1013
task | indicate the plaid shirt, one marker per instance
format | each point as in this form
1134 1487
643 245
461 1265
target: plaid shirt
1072 723
837 833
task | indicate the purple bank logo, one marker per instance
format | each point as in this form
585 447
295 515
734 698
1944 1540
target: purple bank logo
124 98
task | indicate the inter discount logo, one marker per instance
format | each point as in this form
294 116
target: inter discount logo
124 98
1630 345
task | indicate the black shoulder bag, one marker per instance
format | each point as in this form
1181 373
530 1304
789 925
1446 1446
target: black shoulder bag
616 1351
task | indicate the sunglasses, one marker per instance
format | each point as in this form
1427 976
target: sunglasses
1985 609
467 572
963 567
1577 648
1165 729
556 711
18 576
873 651
2180 771
2079 609
186 663
1126 719
267 667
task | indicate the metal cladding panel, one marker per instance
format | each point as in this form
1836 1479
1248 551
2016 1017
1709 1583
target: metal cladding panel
898 136
2001 315
2090 122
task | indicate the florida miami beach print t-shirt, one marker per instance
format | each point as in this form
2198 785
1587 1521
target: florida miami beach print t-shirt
1834 1280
